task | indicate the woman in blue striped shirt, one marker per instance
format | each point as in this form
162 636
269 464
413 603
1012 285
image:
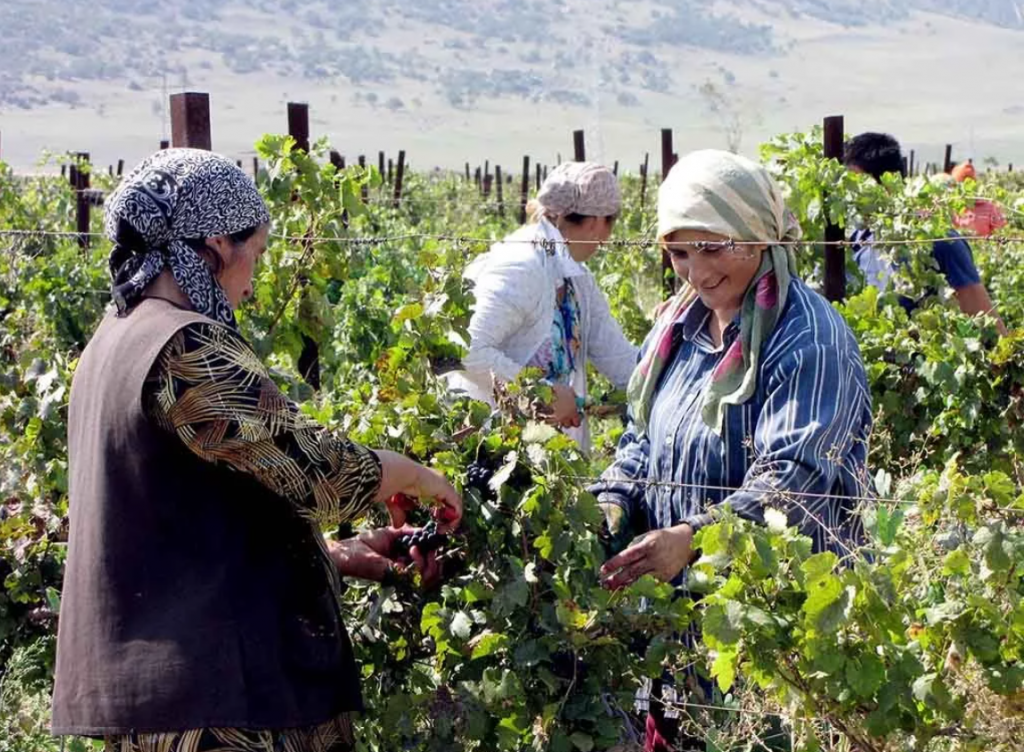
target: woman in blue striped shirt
750 391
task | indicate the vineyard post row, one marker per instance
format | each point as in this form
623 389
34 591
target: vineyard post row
190 127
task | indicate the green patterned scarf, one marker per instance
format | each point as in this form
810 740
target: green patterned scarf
729 195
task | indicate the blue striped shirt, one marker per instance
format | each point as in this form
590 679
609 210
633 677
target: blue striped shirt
799 445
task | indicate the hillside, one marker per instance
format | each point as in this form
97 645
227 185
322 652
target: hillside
453 80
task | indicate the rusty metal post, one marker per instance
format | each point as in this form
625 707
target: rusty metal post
644 168
399 177
365 192
524 190
667 155
190 120
79 180
501 196
667 160
835 255
298 124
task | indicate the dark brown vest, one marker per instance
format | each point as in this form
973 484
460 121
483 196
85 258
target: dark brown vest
193 596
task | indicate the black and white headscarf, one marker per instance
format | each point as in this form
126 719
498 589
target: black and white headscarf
173 196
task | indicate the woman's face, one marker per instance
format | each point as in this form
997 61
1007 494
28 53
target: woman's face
589 235
239 263
720 274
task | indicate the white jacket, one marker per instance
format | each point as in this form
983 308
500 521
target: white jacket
516 285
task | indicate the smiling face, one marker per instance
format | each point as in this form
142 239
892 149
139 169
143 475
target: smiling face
720 274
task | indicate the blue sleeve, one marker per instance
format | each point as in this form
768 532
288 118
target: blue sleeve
813 413
956 262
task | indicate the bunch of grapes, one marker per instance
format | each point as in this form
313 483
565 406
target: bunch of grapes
426 539
478 476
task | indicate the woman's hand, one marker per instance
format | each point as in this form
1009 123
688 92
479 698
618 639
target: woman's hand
404 481
368 556
661 553
564 411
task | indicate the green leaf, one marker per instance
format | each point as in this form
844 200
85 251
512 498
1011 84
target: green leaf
828 603
865 675
582 741
488 644
723 669
957 562
818 567
722 623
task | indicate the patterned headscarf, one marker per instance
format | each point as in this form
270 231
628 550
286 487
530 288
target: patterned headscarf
173 196
580 188
722 193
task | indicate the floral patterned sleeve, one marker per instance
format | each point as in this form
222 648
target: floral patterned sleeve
210 388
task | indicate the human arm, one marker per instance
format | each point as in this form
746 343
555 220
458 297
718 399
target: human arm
956 262
210 389
621 490
509 293
974 299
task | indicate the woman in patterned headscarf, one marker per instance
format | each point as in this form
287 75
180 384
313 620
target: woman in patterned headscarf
200 608
750 391
538 306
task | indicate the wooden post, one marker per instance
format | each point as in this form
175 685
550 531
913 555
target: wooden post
643 177
666 152
391 170
255 167
546 170
488 183
298 124
1009 167
906 167
539 178
615 168
337 160
835 255
487 167
165 145
478 179
381 166
364 192
667 160
309 358
947 165
238 163
501 198
579 147
190 120
79 180
399 175
524 190
468 178
912 166
120 167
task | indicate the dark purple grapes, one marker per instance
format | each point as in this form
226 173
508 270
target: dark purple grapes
478 476
426 539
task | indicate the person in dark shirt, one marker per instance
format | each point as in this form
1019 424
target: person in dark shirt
877 154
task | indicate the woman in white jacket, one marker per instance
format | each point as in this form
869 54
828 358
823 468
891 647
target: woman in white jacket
538 306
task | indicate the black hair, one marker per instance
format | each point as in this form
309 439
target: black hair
578 219
874 153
